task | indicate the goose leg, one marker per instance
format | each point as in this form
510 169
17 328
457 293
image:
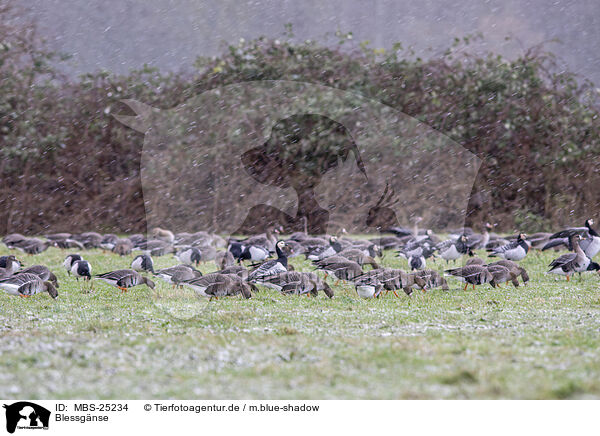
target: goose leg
395 293
465 288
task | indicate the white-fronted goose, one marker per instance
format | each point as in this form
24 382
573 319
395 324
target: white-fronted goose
472 275
322 252
124 279
143 262
571 263
224 259
516 250
175 275
217 285
32 246
431 278
475 261
515 268
501 274
26 285
298 283
343 270
42 272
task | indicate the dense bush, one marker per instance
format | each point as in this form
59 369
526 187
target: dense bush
67 163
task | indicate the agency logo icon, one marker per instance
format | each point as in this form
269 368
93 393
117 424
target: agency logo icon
26 415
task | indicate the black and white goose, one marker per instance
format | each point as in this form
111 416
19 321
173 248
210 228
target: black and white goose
189 256
321 252
590 244
82 268
571 263
271 267
70 260
417 262
124 279
451 249
516 250
217 285
255 253
143 262
26 285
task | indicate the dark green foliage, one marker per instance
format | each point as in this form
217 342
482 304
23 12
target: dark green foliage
534 125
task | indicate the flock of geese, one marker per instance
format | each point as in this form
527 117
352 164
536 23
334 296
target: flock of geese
262 260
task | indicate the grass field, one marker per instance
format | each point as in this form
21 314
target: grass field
537 341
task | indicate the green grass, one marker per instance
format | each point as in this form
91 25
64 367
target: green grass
538 341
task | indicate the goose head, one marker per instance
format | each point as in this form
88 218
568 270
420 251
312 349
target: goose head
245 290
280 247
328 291
589 223
50 289
148 282
488 227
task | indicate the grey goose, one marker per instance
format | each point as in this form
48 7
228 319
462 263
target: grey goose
42 272
571 263
298 283
472 275
217 285
125 279
26 285
175 275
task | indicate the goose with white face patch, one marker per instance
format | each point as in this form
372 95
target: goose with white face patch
43 272
571 263
271 267
82 268
26 285
453 249
590 242
516 250
472 274
70 260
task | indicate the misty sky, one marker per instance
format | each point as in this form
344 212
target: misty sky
119 35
